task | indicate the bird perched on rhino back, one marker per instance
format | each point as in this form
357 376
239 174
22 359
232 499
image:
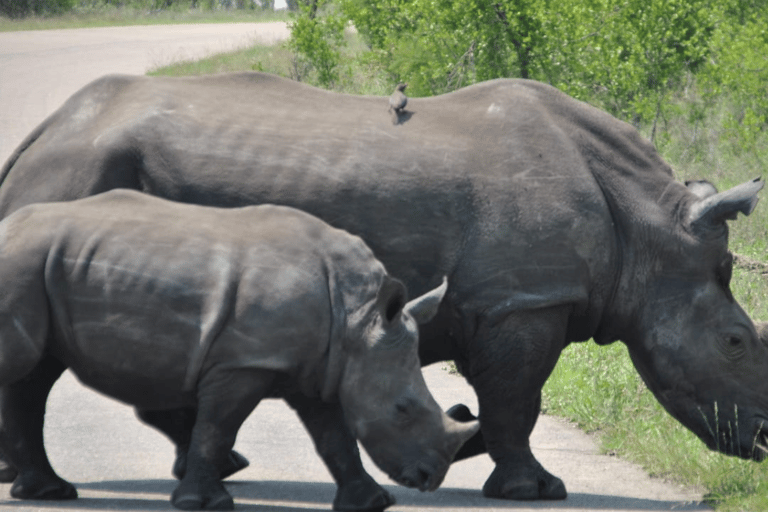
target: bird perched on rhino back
397 102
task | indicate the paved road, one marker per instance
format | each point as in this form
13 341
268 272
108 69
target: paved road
40 69
119 464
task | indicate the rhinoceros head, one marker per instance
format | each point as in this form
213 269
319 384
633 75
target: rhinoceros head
385 399
695 347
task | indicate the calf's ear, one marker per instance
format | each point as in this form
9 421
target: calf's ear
391 299
424 308
712 211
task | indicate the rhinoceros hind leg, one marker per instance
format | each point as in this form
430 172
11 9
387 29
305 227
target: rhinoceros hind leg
7 472
22 413
211 499
357 491
35 486
235 462
177 424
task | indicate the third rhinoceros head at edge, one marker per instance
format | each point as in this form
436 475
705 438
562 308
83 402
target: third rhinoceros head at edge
693 344
384 396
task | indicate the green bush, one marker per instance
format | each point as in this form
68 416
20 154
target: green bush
317 36
22 8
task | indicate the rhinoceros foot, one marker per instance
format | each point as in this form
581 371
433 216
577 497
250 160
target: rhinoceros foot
7 473
363 495
213 498
34 486
235 462
514 481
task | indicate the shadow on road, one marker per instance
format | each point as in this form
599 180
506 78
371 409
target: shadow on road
279 495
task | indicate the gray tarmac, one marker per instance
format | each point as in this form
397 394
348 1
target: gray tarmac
119 464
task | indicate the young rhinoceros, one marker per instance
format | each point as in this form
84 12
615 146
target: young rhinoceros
168 306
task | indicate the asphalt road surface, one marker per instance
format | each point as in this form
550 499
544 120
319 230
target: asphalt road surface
119 464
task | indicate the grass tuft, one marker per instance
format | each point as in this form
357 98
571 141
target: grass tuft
113 16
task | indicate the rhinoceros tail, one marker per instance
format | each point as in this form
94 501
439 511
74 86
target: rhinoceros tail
334 348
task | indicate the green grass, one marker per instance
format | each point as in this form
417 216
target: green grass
274 59
356 75
110 16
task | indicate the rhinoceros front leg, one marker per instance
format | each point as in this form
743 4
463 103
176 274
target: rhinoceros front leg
510 362
177 424
22 413
357 490
225 399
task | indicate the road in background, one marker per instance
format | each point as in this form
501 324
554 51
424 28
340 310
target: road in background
119 464
40 69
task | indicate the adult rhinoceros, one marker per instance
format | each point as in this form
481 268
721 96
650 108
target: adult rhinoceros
554 221
167 305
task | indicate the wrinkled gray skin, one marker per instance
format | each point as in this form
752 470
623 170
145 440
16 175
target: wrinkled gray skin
555 222
170 306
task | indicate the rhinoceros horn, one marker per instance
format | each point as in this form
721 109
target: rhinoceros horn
462 431
424 308
712 211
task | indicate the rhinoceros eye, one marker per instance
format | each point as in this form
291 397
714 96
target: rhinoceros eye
406 408
734 347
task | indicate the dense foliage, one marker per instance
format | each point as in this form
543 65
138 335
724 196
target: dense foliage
315 40
632 57
22 8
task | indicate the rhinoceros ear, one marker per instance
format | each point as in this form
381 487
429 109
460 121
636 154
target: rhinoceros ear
701 188
713 210
424 308
391 299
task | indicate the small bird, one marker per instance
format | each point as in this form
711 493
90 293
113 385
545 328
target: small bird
397 102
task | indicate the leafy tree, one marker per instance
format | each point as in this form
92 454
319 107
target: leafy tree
440 45
627 53
644 50
317 35
21 8
738 67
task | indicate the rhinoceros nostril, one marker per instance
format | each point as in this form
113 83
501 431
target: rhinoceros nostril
417 476
424 477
